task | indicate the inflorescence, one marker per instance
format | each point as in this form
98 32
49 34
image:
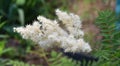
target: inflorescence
48 33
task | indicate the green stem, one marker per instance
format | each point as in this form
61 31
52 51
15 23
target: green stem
44 56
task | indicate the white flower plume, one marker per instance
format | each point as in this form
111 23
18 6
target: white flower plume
48 33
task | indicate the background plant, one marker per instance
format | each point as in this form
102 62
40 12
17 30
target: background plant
109 50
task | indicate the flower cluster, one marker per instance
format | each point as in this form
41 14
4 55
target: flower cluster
65 33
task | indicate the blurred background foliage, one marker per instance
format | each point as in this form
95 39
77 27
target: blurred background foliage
99 27
21 12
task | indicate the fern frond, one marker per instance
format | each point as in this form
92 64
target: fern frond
106 22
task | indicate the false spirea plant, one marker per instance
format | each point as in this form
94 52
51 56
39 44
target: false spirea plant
48 33
106 21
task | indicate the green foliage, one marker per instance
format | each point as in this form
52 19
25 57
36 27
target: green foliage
109 52
20 2
21 11
1 25
18 63
102 62
2 45
58 60
3 62
55 59
4 50
106 22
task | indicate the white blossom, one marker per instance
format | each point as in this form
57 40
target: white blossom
48 33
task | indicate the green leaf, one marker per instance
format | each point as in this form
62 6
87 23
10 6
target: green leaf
4 36
21 16
18 63
2 45
20 2
54 54
59 55
7 50
2 24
